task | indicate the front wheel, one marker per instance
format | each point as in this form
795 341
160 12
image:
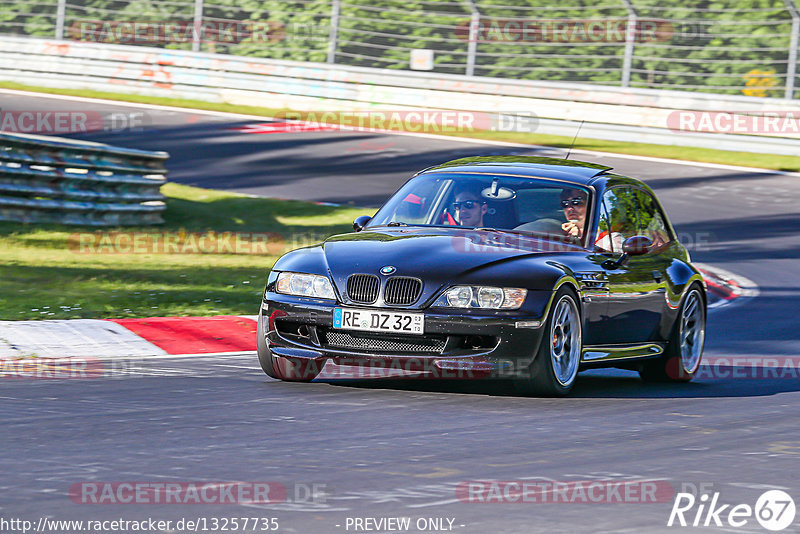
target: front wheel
555 367
685 348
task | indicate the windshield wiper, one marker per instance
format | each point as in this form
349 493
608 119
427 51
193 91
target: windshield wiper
397 223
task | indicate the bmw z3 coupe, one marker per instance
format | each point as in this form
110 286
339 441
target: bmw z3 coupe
527 268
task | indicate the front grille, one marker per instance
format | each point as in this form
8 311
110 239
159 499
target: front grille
367 343
363 288
402 290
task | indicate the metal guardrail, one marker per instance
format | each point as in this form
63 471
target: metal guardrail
50 179
628 115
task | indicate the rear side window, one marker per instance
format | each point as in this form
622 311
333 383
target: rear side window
618 219
651 221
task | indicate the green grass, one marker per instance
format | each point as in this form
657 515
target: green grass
45 274
746 159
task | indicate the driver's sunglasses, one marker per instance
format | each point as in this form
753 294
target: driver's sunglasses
467 204
577 201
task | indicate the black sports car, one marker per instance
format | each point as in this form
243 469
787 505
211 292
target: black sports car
503 266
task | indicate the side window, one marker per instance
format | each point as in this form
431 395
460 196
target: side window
651 220
618 219
603 239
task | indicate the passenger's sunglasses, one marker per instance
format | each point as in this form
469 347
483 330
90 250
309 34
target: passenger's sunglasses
577 201
467 204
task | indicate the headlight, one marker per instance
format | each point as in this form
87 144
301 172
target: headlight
486 297
490 297
459 297
513 297
305 285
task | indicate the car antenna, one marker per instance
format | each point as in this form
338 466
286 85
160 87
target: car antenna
573 139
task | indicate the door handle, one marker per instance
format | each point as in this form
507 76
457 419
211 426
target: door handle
657 276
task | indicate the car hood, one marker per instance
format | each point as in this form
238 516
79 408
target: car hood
436 256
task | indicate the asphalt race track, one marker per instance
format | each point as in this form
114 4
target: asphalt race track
389 448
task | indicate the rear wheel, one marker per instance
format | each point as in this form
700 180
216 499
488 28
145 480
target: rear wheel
555 367
288 369
685 348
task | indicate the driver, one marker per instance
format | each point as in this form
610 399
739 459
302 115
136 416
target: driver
573 202
469 208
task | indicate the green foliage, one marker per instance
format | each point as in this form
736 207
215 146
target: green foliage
725 46
717 51
296 31
28 17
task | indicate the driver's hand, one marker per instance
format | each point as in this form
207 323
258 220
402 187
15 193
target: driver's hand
571 228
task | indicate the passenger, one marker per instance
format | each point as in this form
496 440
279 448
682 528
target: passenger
573 202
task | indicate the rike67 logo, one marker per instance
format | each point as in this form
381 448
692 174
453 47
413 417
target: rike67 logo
774 510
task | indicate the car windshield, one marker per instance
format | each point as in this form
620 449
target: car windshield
530 205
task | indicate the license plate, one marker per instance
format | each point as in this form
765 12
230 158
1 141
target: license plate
379 321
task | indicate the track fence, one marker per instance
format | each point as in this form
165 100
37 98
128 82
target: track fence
744 47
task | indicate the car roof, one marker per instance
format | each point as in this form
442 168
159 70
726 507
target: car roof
579 172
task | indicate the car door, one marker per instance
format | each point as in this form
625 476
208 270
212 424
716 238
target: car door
593 287
651 224
635 298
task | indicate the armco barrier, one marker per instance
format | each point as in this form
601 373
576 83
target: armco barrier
50 179
630 115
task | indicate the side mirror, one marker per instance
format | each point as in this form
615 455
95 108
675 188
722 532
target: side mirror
633 246
637 245
361 222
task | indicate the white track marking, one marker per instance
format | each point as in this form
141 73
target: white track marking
72 338
747 288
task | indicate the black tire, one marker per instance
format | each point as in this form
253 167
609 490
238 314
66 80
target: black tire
684 353
286 369
544 377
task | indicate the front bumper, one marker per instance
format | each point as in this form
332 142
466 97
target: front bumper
456 343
